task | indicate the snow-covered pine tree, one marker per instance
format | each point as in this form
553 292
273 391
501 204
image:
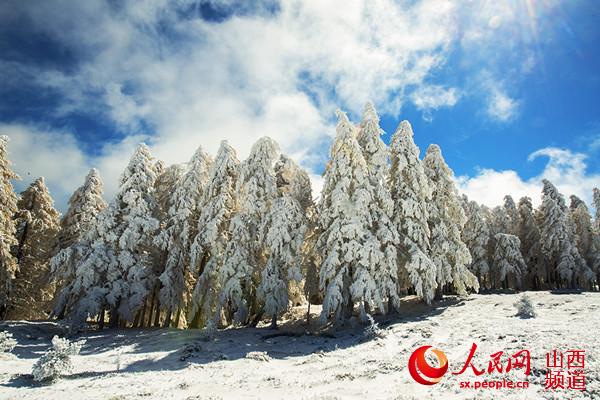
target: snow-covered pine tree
167 180
86 296
411 193
8 199
244 258
294 181
84 206
130 279
584 233
346 244
179 229
384 257
529 235
558 244
596 234
476 236
217 206
446 220
37 227
283 232
512 215
596 200
509 266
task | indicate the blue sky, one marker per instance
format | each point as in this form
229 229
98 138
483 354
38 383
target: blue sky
510 90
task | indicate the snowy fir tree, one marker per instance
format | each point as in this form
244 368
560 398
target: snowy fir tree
585 237
476 236
411 193
86 295
529 235
84 206
283 232
8 199
346 242
130 278
509 266
384 256
446 220
294 181
245 257
37 228
565 264
512 215
218 204
180 228
167 180
596 236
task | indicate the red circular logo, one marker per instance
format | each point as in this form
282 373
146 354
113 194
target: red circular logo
424 373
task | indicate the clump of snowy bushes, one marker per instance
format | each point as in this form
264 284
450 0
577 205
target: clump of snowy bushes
525 307
57 361
7 343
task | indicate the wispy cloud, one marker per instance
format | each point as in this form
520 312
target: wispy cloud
501 107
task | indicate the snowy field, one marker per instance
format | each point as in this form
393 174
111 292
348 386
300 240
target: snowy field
253 363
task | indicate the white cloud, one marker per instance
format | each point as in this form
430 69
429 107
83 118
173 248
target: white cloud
433 97
501 107
565 169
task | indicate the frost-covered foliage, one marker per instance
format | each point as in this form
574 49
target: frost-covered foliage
218 204
559 246
8 199
180 228
7 342
244 258
56 362
373 331
384 256
84 206
130 278
476 236
584 235
283 232
346 243
37 227
446 220
115 271
512 215
509 266
525 308
86 295
596 236
529 235
411 194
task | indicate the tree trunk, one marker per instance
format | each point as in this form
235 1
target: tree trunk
101 320
274 322
167 322
177 317
308 314
150 314
157 316
113 322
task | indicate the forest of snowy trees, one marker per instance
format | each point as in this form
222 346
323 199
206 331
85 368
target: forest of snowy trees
219 241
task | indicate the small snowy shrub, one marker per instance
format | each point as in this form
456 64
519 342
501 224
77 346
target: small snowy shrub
525 307
373 331
258 356
7 343
56 362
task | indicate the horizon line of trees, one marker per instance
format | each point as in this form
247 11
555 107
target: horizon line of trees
216 242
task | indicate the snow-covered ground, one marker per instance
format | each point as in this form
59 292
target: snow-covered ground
253 363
